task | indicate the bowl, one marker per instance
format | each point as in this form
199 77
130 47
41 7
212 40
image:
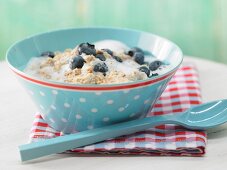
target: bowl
72 107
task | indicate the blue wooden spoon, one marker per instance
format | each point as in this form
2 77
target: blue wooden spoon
199 117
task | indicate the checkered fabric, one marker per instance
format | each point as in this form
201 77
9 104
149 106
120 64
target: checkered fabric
182 92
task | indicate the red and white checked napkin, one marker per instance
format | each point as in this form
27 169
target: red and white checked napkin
182 92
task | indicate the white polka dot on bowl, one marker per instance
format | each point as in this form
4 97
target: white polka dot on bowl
64 120
53 107
98 93
146 101
121 109
106 119
109 101
78 116
126 91
94 110
136 97
132 115
55 92
42 93
67 105
90 127
82 100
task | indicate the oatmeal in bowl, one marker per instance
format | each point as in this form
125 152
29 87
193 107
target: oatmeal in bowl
104 62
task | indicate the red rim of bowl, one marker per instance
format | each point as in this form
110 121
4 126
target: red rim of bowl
103 87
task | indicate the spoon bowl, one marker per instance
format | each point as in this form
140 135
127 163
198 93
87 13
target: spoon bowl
206 115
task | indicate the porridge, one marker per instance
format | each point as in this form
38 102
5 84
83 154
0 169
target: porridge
104 62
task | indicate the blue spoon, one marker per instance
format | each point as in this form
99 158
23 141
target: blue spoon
199 117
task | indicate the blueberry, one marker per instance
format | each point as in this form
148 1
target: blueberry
155 65
134 50
118 59
101 67
108 51
100 57
139 58
87 48
145 70
154 74
76 62
48 53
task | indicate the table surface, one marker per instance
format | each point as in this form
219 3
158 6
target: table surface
16 121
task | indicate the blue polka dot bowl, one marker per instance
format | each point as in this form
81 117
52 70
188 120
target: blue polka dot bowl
72 107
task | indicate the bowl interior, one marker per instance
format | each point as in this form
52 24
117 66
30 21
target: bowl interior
20 53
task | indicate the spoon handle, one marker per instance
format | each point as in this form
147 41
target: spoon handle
72 141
